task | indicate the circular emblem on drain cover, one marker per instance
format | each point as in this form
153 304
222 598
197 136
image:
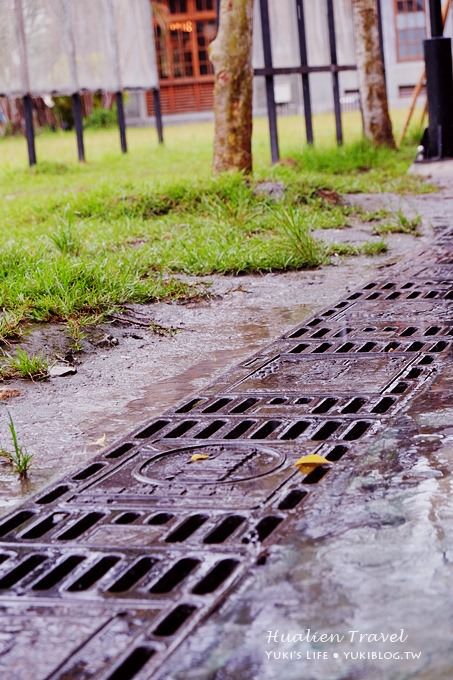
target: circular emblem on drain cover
214 464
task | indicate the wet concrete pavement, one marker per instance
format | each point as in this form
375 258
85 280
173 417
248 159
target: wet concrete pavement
149 563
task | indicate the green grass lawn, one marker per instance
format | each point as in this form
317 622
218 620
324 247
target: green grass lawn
80 240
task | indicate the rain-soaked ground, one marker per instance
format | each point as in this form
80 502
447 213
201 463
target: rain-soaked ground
65 421
155 562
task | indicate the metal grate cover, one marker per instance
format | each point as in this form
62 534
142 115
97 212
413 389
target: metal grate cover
108 570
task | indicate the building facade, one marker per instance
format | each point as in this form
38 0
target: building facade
184 29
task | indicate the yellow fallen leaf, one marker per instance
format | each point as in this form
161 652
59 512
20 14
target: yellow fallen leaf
198 456
101 441
307 464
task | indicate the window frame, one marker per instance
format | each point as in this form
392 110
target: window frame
399 57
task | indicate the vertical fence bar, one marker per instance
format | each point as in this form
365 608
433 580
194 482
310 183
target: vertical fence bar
335 79
121 120
305 76
269 78
158 115
29 129
78 124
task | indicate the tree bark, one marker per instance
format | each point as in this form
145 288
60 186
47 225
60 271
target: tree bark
231 55
370 68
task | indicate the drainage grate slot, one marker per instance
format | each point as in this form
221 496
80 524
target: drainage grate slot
22 570
88 472
217 405
431 294
240 429
347 347
399 388
393 296
266 429
181 429
367 347
295 430
433 330
439 346
415 347
119 451
325 405
326 430
299 333
53 495
354 406
81 526
152 429
244 405
292 499
314 322
354 296
15 521
278 400
425 361
186 529
414 373
357 430
160 518
174 576
211 429
413 295
344 331
303 400
44 526
224 530
322 348
57 574
383 405
265 527
391 329
320 333
408 332
316 476
391 347
215 577
174 620
132 664
373 296
336 453
127 518
93 575
130 577
299 348
189 406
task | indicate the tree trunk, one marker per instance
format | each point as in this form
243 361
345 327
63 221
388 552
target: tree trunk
231 55
370 67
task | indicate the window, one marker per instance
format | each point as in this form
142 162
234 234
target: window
205 5
410 29
183 38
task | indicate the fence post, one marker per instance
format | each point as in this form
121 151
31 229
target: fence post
305 76
121 120
335 79
269 79
78 124
29 129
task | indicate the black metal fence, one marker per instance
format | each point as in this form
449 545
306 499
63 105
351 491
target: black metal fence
304 70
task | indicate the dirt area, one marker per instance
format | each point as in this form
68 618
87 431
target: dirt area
135 374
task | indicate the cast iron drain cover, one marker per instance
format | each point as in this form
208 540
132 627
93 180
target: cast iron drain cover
104 573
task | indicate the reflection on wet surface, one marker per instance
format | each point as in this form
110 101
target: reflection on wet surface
372 552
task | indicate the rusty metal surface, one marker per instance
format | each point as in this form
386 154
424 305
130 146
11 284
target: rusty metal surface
103 574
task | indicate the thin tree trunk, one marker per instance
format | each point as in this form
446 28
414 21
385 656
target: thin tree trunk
370 67
231 55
